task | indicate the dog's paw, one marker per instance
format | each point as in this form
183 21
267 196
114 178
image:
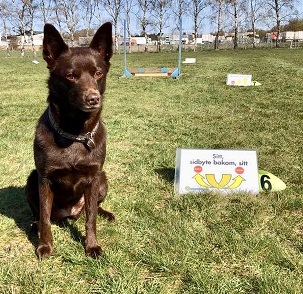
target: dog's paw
110 216
94 252
106 214
44 251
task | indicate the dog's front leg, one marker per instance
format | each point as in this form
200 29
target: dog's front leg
45 245
92 248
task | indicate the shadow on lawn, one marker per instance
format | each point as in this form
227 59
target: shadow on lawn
167 173
13 204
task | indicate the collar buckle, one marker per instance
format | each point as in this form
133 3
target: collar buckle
89 140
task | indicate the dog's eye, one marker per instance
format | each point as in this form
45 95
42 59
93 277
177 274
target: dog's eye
98 74
71 76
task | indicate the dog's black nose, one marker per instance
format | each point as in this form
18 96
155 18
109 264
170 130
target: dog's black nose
93 99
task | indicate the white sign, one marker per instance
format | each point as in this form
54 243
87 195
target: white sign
189 60
238 80
200 170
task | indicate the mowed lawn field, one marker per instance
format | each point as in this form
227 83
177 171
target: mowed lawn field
163 242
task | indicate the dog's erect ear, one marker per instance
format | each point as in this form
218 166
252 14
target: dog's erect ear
103 41
53 45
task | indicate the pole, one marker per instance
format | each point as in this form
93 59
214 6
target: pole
180 47
177 72
126 73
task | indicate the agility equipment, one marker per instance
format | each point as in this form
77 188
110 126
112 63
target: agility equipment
163 72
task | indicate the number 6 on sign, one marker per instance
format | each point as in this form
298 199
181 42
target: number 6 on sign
269 182
265 183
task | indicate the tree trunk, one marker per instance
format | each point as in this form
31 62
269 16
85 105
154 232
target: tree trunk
219 24
236 24
278 19
252 11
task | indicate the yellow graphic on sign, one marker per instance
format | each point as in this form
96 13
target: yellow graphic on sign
200 180
225 179
226 182
237 182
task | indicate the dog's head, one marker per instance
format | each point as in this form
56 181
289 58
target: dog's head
77 75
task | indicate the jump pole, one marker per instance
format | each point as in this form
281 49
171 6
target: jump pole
126 73
177 72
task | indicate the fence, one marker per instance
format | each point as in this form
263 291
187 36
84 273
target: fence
172 48
203 47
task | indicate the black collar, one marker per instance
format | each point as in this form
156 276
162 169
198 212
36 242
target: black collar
87 139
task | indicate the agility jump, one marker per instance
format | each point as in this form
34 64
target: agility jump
163 72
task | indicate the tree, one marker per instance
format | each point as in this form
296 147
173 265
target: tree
32 6
217 6
196 8
160 16
283 11
4 14
46 8
180 9
67 12
113 8
239 11
294 25
128 10
88 9
142 14
255 13
20 19
234 11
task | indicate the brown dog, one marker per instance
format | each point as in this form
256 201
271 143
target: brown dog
69 145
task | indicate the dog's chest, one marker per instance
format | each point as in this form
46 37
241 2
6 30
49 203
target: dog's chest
76 161
74 174
73 177
74 166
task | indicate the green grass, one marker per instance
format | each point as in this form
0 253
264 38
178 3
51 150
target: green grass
162 242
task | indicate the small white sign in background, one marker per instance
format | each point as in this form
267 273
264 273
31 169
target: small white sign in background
220 170
189 60
238 80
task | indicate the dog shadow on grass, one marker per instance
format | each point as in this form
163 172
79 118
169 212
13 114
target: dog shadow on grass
13 205
166 173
